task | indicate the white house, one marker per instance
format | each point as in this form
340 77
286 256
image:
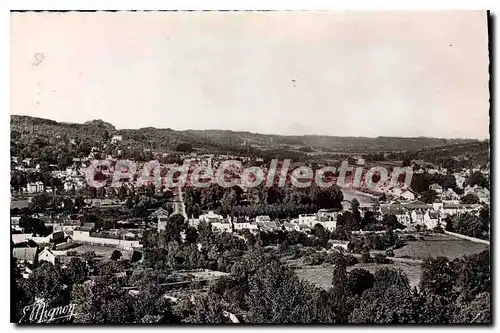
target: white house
460 180
36 187
436 188
327 214
431 219
417 217
408 195
211 217
291 226
161 216
246 225
116 138
327 225
338 244
14 223
449 194
25 255
47 255
403 217
482 193
308 219
263 218
222 226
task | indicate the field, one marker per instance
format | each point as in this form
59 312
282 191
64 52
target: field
102 252
436 245
321 276
407 258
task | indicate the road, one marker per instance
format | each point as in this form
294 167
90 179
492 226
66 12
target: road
178 203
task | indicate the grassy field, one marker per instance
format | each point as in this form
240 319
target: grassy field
436 245
102 252
321 276
433 245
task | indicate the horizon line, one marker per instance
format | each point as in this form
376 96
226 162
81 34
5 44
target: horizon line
258 133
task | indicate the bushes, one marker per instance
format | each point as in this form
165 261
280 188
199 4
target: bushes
318 258
348 259
315 259
366 258
381 259
376 241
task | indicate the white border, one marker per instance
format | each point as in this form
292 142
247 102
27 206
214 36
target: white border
192 5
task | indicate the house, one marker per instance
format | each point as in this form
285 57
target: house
404 217
161 216
451 208
211 217
47 255
455 208
116 138
35 187
436 188
437 206
291 226
307 219
460 180
336 244
263 218
328 225
408 195
417 217
162 222
25 255
431 219
222 226
327 214
268 226
69 185
14 223
449 194
482 193
129 235
245 226
304 227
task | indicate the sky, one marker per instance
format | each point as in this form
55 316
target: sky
340 73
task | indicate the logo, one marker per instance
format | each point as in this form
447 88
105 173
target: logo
39 313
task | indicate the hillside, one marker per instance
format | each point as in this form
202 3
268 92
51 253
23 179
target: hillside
30 135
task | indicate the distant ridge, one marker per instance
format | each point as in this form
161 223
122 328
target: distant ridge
98 130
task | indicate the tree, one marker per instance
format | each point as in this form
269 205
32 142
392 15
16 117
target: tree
471 225
207 309
476 312
470 198
391 222
438 276
40 202
76 271
174 227
359 280
354 204
191 235
428 196
47 282
116 255
103 302
184 147
340 290
477 178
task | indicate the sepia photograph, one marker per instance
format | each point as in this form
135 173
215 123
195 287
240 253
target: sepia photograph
250 167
